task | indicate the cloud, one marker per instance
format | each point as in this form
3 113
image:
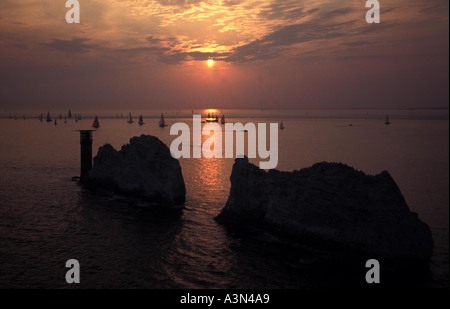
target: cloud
291 49
231 3
286 27
180 57
273 44
183 3
74 46
21 46
169 50
276 25
285 10
438 7
235 31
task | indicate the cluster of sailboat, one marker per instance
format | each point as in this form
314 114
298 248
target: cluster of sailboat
162 121
95 124
211 118
69 115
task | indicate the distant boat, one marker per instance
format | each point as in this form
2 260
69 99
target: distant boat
212 118
223 121
130 119
41 118
141 120
282 127
49 119
65 119
24 117
69 115
56 123
162 122
60 117
387 121
96 123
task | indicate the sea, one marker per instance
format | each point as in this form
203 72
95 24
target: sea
46 218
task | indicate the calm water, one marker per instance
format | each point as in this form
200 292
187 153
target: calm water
46 219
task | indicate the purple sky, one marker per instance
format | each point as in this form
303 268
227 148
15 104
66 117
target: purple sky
270 54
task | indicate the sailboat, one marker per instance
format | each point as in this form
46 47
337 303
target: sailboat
282 127
130 119
223 121
212 118
65 119
141 120
49 119
162 122
96 123
41 118
56 123
70 114
387 121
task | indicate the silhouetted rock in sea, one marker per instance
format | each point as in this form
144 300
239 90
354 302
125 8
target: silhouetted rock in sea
143 169
329 203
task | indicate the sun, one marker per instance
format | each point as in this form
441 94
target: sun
210 63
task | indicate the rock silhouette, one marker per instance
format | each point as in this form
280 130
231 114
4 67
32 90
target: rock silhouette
330 203
143 169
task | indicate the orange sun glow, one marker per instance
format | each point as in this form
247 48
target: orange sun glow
210 63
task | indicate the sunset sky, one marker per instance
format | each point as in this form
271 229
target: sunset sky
268 54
